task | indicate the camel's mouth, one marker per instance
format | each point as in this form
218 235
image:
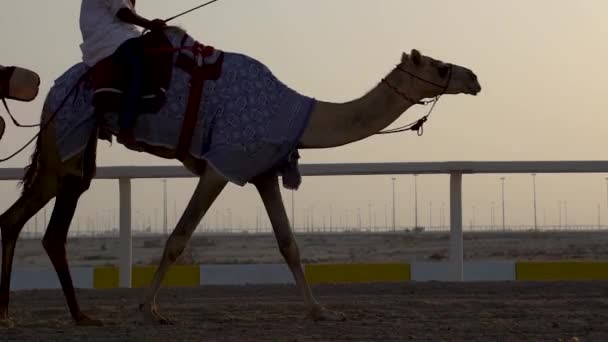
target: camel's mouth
475 89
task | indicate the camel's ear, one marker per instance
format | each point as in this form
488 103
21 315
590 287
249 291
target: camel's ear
404 57
416 57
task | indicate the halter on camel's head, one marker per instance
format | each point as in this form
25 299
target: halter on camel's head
17 84
437 75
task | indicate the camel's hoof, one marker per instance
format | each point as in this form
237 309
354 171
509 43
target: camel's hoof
7 323
155 317
164 320
152 315
86 321
322 314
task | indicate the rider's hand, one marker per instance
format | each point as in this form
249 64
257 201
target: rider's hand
156 24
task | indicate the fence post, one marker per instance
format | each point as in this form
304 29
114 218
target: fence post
124 187
456 248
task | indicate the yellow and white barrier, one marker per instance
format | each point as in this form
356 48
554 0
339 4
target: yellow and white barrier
191 276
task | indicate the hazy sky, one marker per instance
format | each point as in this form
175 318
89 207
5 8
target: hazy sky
542 66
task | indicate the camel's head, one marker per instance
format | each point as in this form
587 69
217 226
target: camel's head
18 83
435 76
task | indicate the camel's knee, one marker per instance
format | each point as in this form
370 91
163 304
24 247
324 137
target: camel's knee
175 247
53 246
26 206
286 242
290 252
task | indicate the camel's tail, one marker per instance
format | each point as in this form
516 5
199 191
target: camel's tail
31 171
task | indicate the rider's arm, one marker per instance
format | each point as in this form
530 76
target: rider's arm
125 11
129 16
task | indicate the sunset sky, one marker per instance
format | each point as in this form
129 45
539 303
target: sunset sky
541 63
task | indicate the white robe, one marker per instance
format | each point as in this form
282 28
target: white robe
102 32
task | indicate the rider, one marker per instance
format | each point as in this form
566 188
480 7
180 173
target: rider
109 29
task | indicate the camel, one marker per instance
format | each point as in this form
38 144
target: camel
416 77
19 84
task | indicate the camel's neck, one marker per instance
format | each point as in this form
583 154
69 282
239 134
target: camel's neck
334 124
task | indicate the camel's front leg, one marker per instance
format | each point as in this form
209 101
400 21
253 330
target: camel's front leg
268 187
210 185
11 224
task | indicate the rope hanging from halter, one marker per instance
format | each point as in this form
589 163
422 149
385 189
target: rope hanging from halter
417 126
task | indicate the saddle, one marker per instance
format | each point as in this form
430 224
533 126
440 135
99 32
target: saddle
109 85
200 72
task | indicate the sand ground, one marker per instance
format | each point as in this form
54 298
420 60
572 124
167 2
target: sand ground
501 311
378 312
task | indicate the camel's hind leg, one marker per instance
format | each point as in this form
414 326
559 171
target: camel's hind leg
268 187
46 178
55 239
79 172
12 221
210 185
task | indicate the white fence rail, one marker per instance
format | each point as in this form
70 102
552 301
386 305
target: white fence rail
456 170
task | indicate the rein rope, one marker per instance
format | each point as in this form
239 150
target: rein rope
418 125
13 118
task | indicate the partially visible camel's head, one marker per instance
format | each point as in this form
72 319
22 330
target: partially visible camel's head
438 75
17 84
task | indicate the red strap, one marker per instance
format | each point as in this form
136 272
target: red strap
194 101
197 83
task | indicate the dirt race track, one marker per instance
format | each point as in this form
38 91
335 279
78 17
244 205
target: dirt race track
567 311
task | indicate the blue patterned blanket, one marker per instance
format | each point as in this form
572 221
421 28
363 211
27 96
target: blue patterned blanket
249 121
